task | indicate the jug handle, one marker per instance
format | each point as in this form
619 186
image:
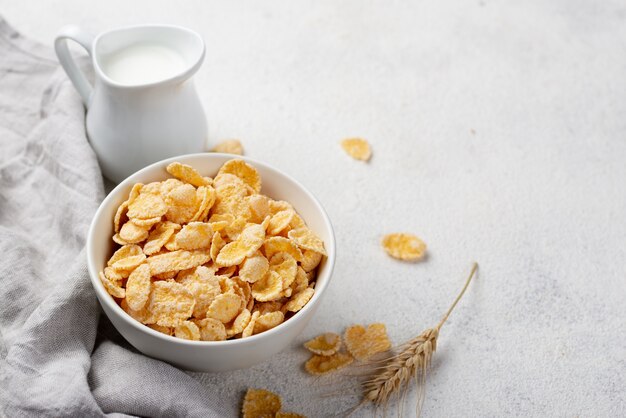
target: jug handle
78 79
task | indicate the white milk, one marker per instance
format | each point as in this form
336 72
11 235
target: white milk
142 63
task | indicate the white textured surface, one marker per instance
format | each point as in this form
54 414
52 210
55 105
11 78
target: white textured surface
498 134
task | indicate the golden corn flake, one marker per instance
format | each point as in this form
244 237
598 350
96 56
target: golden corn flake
132 233
113 288
187 330
259 403
141 315
170 303
254 268
123 253
188 174
182 204
217 243
239 323
363 343
225 307
211 329
300 299
204 287
227 271
176 261
268 321
306 239
324 345
205 198
138 287
286 267
259 207
248 242
310 260
249 329
357 148
147 206
275 245
163 330
194 235
280 221
301 282
268 288
229 146
266 307
159 236
146 223
404 246
244 171
319 365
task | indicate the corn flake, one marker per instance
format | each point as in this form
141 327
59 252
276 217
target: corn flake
138 287
249 329
268 321
275 245
306 239
211 329
254 268
300 299
324 345
229 146
194 235
225 307
406 247
310 260
188 174
268 288
319 365
239 323
159 236
170 303
244 171
357 148
363 343
113 288
259 403
176 261
187 330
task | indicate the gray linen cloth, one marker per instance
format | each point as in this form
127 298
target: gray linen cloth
58 355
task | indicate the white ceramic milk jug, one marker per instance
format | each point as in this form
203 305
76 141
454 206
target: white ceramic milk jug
143 106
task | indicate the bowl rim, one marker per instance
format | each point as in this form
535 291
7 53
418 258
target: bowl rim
104 297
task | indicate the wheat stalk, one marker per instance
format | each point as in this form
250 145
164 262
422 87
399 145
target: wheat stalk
411 362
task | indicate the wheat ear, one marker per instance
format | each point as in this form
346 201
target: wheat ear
411 362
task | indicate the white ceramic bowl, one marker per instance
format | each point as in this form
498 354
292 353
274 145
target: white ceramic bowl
209 356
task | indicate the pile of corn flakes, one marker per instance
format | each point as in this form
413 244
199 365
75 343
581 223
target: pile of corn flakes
210 259
361 343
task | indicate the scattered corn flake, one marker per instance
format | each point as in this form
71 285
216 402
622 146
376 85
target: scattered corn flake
259 403
363 343
138 287
244 171
229 146
194 235
113 288
319 365
300 299
187 330
306 239
225 307
239 323
188 174
249 329
211 329
310 260
268 288
275 245
357 148
176 261
268 321
406 247
325 344
254 268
